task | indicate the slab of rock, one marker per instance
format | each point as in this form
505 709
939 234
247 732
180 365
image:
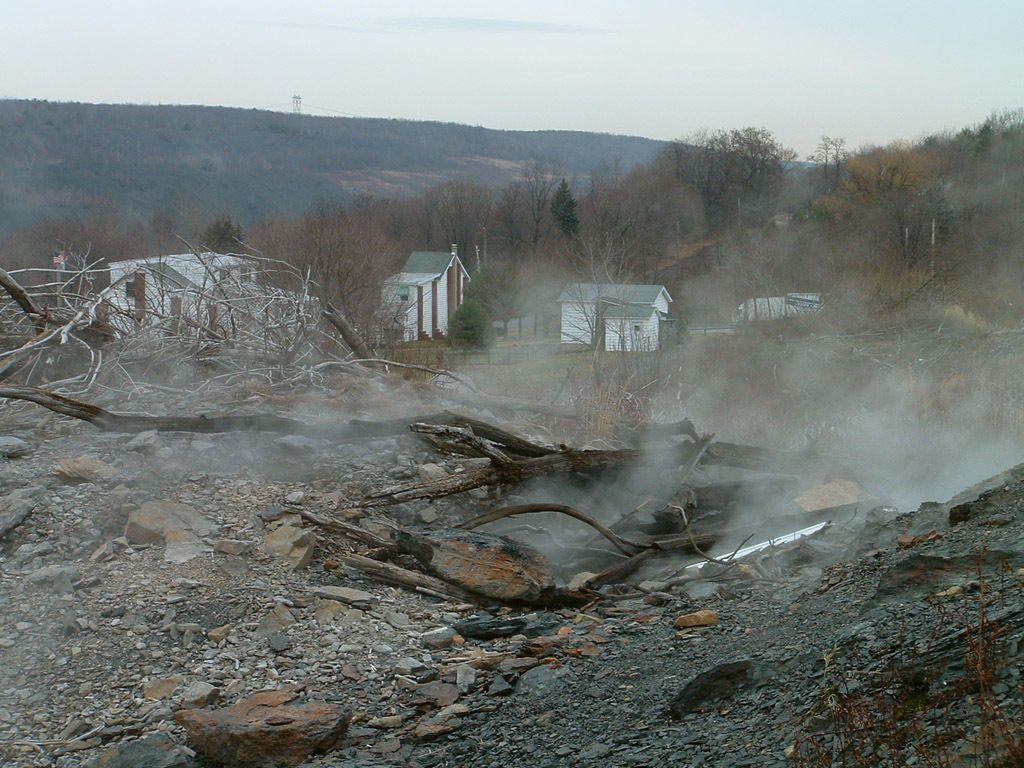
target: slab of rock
275 621
345 595
199 694
704 618
292 543
163 687
144 442
150 523
183 546
429 472
717 684
85 469
13 512
13 447
154 750
268 730
219 633
497 567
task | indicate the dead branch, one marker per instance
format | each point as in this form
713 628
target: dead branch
515 471
393 574
347 529
348 333
39 316
619 571
624 545
465 436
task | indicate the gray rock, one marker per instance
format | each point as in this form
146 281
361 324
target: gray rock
279 643
144 442
13 447
539 681
465 678
13 513
437 639
717 684
292 543
297 444
154 750
345 595
429 472
59 577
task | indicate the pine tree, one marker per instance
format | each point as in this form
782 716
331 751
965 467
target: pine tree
563 210
222 236
470 327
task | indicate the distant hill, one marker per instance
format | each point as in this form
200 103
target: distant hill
66 159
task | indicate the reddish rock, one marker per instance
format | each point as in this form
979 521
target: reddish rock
268 730
705 618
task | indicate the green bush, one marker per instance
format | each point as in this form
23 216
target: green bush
470 327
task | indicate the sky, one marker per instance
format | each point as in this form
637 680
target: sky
868 71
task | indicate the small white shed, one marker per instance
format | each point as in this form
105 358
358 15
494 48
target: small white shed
615 317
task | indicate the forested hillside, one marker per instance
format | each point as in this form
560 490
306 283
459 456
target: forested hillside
69 161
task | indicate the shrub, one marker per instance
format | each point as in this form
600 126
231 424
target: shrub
470 327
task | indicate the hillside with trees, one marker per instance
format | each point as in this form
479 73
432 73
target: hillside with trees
889 233
170 165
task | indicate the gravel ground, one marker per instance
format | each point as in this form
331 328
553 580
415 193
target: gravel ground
101 639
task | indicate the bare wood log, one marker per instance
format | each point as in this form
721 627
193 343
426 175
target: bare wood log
619 571
109 421
355 429
565 460
622 544
352 531
393 574
516 471
348 333
465 436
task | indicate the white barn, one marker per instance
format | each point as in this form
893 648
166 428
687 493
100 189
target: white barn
614 316
426 293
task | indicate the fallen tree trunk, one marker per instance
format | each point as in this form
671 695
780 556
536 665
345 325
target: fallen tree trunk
348 333
356 429
38 315
504 470
403 577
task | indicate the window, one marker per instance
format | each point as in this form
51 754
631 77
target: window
403 292
636 329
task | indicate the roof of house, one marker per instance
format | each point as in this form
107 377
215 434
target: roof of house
629 312
618 293
213 259
168 274
427 263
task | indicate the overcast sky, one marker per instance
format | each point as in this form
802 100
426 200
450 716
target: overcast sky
867 70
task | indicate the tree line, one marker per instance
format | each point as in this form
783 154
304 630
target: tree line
718 216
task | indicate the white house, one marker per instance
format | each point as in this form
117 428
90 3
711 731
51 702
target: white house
426 293
614 316
167 285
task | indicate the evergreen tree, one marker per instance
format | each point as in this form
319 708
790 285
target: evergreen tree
222 236
470 327
563 210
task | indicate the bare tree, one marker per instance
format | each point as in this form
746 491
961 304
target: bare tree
538 182
831 156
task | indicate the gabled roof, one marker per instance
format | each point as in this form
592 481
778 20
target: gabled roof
629 312
617 293
178 260
168 274
427 263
